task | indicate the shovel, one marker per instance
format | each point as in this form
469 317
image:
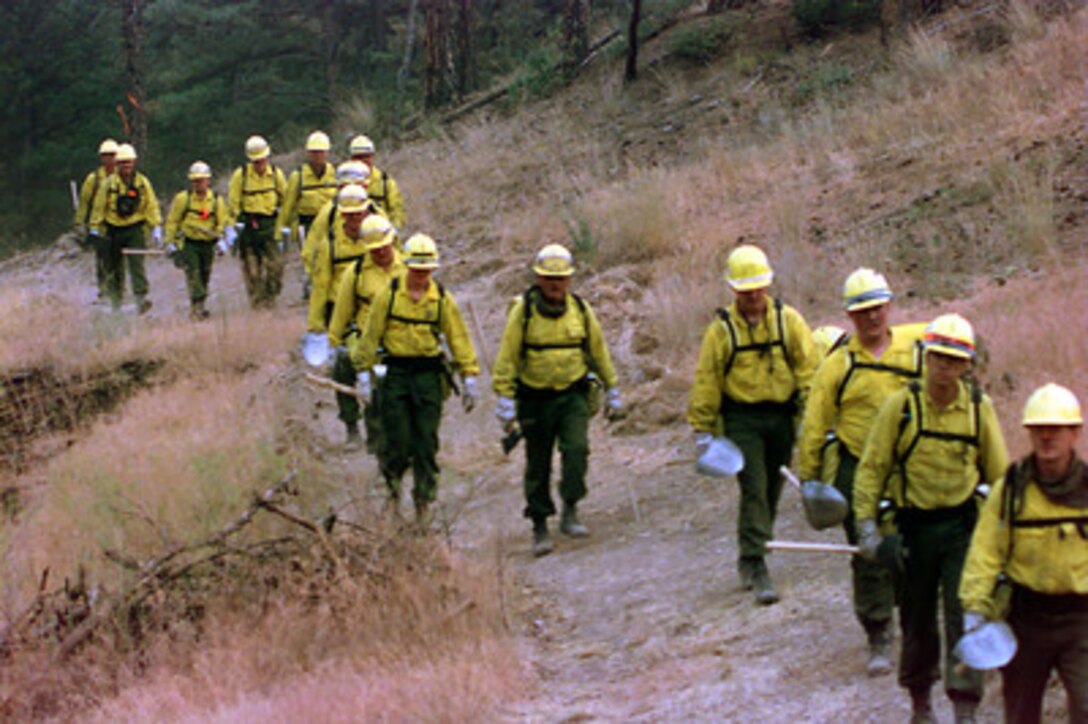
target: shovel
315 348
825 507
990 646
721 459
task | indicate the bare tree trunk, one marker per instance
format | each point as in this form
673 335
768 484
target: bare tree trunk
464 66
331 36
576 31
436 22
409 47
631 71
132 48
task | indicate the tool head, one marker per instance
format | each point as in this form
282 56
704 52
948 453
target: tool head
315 348
825 506
721 459
990 646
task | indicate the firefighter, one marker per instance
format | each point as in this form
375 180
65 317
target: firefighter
381 187
310 186
756 362
1029 550
349 172
929 449
107 153
124 208
196 221
552 361
415 330
256 194
859 374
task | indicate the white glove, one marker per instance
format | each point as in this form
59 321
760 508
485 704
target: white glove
156 236
613 409
171 249
702 442
285 238
222 247
230 234
95 233
972 621
238 226
362 383
505 412
869 539
468 394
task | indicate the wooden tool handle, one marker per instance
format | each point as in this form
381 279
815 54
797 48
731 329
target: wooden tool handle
143 252
319 381
788 475
787 545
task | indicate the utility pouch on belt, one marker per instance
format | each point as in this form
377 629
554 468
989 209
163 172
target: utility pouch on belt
594 393
128 199
450 372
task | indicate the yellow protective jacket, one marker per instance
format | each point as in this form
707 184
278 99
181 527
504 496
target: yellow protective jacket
307 193
195 218
104 210
87 191
357 290
332 257
384 192
944 460
771 362
848 390
318 233
1037 543
406 328
253 193
551 353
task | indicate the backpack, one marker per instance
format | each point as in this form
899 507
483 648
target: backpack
852 365
527 312
760 347
189 204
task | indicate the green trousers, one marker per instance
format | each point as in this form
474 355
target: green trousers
547 418
262 262
874 588
97 245
411 410
937 546
198 257
119 238
344 373
764 433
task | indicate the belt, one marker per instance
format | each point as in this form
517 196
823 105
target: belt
1024 599
414 364
907 517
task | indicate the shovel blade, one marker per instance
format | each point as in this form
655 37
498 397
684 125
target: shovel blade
990 646
825 506
315 348
721 459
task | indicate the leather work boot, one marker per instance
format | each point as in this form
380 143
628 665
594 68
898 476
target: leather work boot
569 525
542 542
143 305
921 709
424 516
354 441
880 649
746 569
964 711
761 584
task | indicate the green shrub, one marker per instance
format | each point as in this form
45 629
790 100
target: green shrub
819 17
701 43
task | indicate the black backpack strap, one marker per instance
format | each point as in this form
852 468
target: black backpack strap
782 332
526 313
727 322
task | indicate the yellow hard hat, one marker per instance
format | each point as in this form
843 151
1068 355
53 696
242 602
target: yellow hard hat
952 335
748 269
360 145
352 199
352 172
377 231
420 252
125 152
554 260
865 288
199 169
257 148
826 337
107 146
318 141
1052 404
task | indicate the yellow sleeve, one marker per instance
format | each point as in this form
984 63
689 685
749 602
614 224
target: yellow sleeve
234 194
281 189
221 215
289 214
986 557
453 326
395 202
706 391
598 350
174 219
878 458
365 356
152 212
98 206
86 199
344 309
820 414
318 230
321 279
994 457
504 377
